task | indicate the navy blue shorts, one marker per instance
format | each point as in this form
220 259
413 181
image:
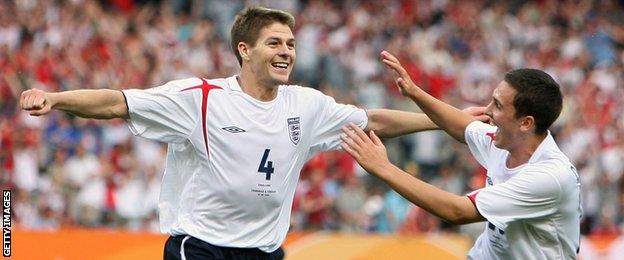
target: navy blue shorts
188 247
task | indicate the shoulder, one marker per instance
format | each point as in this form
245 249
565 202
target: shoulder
556 162
304 95
551 173
299 90
184 84
180 84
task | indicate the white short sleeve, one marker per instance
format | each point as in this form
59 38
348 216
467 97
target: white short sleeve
331 119
530 194
479 137
165 113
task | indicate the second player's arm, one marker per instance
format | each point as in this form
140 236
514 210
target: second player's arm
98 104
371 155
452 208
447 117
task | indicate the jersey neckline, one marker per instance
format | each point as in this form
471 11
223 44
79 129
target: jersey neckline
233 85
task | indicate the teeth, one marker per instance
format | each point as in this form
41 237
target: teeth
280 65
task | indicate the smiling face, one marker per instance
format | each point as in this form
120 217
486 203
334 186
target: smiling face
503 115
272 57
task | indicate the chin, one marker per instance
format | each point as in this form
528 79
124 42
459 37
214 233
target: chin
498 145
279 80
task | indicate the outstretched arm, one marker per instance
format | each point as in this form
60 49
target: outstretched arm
447 117
392 123
370 153
98 104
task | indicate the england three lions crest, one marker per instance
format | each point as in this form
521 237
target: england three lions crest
294 129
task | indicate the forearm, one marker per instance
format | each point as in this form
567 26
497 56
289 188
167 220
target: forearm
447 117
98 104
391 123
452 208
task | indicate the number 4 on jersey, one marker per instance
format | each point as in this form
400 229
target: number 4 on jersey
268 169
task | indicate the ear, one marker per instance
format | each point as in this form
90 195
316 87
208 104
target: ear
243 50
527 123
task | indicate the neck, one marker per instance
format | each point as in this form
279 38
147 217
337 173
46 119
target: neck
252 86
523 152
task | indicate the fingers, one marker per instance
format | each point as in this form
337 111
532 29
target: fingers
475 111
26 99
401 83
354 140
359 132
375 138
39 112
480 110
32 99
22 98
38 102
478 113
347 140
387 56
350 150
349 133
482 118
393 63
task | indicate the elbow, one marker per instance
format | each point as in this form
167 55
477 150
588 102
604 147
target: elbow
458 215
460 220
374 125
113 111
121 111
455 218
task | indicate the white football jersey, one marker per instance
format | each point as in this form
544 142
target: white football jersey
233 162
533 210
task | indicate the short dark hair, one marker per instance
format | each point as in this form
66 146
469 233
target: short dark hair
250 21
538 95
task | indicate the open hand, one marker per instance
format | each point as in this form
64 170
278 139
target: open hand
36 101
369 152
403 81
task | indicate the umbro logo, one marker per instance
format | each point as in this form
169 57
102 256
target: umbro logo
234 129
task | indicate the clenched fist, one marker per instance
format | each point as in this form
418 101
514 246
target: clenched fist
36 101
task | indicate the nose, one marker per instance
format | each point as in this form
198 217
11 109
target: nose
488 109
285 51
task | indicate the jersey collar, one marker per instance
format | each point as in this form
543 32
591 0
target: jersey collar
233 83
546 144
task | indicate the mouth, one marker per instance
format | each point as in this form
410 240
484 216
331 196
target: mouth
491 122
280 65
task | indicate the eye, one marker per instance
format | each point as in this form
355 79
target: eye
273 43
291 45
496 104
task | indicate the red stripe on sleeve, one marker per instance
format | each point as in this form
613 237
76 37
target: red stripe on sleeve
473 197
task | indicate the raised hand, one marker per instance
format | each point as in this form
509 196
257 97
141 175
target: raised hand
369 152
477 112
36 102
403 81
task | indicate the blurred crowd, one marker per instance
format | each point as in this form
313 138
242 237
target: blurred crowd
67 171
